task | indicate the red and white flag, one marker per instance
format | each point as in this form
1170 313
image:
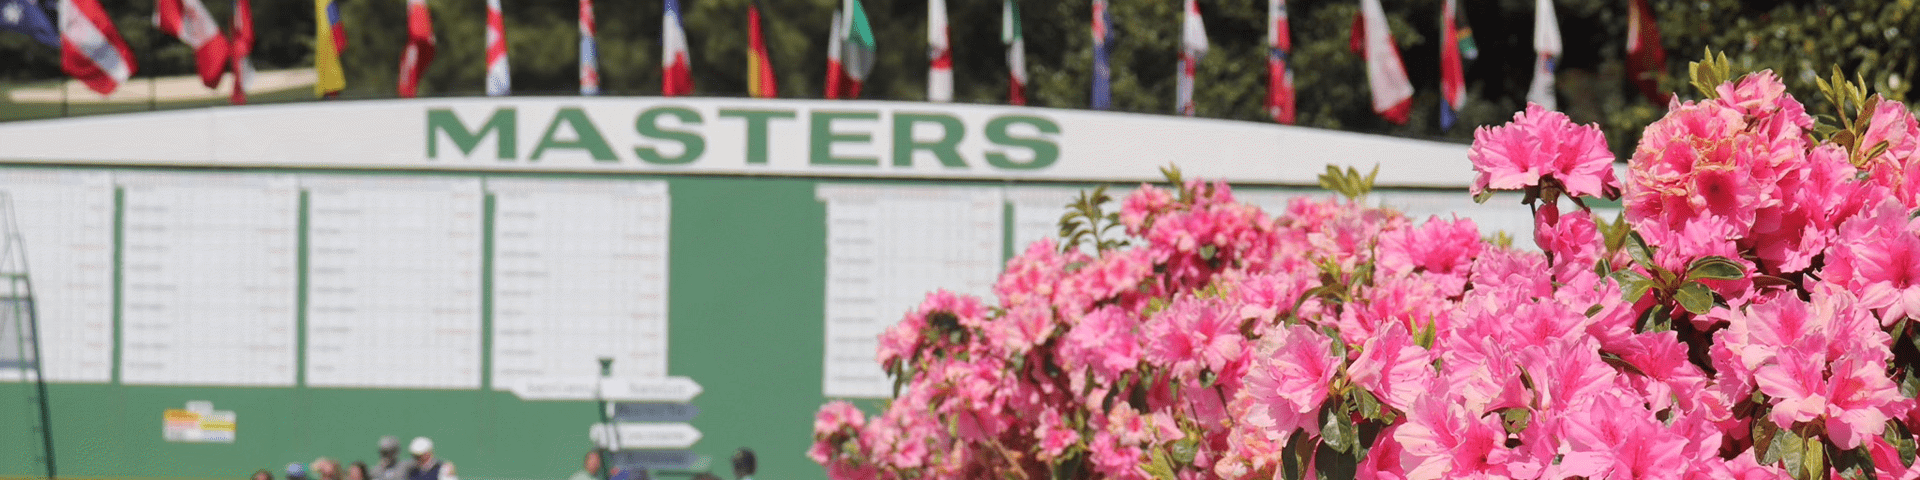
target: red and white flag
189 21
1386 75
676 73
1193 46
91 50
836 72
1546 48
499 82
242 49
939 53
1279 77
1016 53
419 50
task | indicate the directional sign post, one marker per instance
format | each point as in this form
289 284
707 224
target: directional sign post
656 460
654 412
661 389
624 436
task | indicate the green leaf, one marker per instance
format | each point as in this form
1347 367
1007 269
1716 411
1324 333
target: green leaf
1068 467
1714 267
1633 285
1815 459
1637 249
1695 297
1158 466
1516 419
1336 429
1853 464
1184 450
1482 196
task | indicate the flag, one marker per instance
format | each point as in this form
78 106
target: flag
1646 57
91 50
760 81
242 49
25 16
189 21
836 72
589 52
857 46
1453 77
1279 76
1546 48
1392 93
1102 69
499 78
329 41
1193 46
419 49
1016 53
676 73
939 54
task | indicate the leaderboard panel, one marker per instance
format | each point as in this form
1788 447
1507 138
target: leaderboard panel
887 247
209 279
579 273
66 219
393 281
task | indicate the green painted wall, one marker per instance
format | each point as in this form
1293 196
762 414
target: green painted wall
746 299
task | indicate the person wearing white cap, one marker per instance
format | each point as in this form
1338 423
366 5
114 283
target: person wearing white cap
425 466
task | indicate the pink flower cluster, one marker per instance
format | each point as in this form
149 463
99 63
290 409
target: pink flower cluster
1758 324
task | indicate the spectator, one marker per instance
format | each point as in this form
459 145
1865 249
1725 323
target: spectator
296 471
744 464
591 467
425 466
262 474
326 469
356 471
390 467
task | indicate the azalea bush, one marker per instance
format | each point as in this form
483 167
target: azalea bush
1750 314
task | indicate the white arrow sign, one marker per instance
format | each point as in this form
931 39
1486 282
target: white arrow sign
662 389
643 435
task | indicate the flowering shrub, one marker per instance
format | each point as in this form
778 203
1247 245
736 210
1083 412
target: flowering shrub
1751 315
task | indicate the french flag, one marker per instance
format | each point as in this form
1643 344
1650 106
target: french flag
189 21
91 50
499 82
676 76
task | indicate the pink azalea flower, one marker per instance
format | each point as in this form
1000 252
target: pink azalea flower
1289 381
1697 161
1897 169
1054 435
1442 439
1192 335
1542 143
1393 368
1878 255
1437 246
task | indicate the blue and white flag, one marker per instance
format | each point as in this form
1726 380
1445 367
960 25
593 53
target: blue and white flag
25 16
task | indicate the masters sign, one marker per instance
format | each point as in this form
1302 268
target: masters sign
729 136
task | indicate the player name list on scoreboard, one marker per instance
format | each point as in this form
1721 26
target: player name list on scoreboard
209 279
393 281
887 247
579 273
70 260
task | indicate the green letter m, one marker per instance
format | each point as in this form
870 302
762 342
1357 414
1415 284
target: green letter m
502 124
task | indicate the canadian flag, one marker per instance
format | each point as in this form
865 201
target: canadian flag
1392 92
419 50
189 20
91 49
242 48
